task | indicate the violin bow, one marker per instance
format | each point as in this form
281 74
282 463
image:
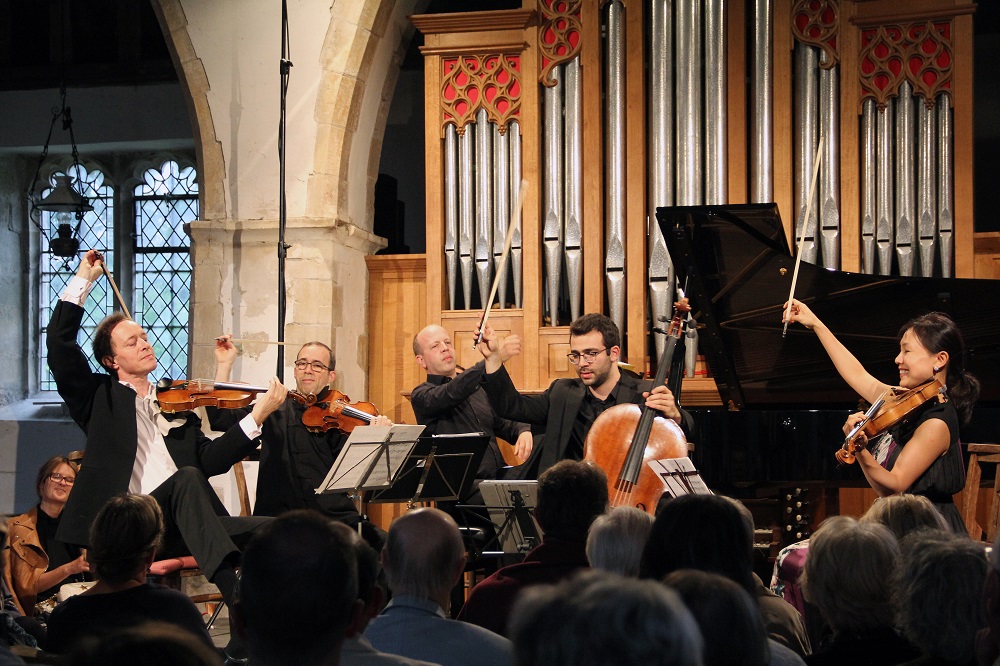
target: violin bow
802 236
501 273
118 294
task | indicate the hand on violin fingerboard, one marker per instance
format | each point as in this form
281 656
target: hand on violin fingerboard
662 400
268 402
91 266
381 420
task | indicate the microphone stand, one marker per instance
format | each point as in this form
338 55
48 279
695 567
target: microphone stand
285 68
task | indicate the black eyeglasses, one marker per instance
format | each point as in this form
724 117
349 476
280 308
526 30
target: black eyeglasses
315 365
59 478
587 355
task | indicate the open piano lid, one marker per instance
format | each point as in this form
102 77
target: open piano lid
738 269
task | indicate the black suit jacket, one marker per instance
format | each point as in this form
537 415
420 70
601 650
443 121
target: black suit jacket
556 411
105 410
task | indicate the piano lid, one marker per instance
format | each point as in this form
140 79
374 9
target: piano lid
736 261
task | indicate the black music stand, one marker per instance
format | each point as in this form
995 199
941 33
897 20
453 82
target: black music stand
439 467
509 504
370 459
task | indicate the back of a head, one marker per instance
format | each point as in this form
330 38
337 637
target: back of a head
939 593
150 644
704 532
571 494
371 578
597 618
616 540
848 573
904 514
423 554
298 587
125 531
727 615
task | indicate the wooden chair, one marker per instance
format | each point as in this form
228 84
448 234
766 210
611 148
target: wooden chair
172 572
978 454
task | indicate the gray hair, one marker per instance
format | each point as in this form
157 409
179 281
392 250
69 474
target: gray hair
616 539
625 622
848 573
905 513
939 592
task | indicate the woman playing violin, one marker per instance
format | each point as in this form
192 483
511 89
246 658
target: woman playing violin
923 456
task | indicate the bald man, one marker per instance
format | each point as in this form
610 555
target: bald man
451 402
423 559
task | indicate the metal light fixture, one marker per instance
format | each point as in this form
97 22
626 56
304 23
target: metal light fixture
64 202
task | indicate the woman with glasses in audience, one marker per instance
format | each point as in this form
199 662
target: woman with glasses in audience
36 562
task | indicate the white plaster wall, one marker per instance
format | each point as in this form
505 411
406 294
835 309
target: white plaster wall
239 43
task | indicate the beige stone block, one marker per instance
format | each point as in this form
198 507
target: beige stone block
171 14
336 50
180 41
309 294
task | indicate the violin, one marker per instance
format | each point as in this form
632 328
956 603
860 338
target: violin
183 395
624 438
893 407
334 410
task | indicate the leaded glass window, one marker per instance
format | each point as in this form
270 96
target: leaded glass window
165 200
96 231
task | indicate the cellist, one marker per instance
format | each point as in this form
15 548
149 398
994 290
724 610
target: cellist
921 455
567 409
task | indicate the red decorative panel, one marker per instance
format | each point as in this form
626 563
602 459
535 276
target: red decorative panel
816 23
920 53
491 82
558 35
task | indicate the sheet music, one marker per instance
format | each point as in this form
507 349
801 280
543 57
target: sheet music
680 477
370 458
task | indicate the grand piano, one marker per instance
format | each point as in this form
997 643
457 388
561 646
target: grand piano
783 401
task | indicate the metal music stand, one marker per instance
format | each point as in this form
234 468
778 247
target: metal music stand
509 504
679 476
370 459
439 467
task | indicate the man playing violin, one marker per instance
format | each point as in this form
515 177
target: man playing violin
568 408
293 460
921 455
133 448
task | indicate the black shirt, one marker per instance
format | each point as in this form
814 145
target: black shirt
59 553
451 406
590 409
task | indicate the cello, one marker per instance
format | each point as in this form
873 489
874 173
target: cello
626 437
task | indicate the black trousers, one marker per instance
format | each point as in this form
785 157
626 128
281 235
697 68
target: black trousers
198 524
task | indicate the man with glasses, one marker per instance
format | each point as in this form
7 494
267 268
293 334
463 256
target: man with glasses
568 408
293 460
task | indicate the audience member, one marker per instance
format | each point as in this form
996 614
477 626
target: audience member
596 618
616 539
37 563
988 640
904 514
939 596
848 576
423 559
712 533
10 632
298 590
357 650
149 644
570 496
123 543
730 621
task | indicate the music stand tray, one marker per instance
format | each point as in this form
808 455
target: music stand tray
509 504
439 467
370 458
